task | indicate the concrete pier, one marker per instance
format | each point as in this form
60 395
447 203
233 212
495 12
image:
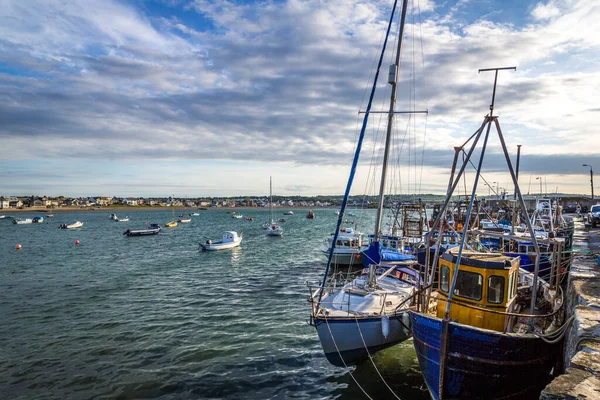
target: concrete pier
581 379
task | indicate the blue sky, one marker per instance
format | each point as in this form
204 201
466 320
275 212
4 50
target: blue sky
210 98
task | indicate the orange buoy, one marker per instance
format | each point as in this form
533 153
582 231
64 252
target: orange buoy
77 241
18 247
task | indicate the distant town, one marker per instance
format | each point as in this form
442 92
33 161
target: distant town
40 202
37 202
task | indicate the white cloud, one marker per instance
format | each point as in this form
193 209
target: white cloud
283 81
545 11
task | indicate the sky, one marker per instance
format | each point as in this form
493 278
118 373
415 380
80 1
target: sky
209 98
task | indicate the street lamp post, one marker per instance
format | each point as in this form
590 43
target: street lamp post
591 178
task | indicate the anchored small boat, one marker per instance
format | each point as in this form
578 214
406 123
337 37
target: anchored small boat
272 228
173 223
230 240
310 214
153 229
38 220
237 216
72 225
22 221
288 213
195 214
185 220
126 219
347 247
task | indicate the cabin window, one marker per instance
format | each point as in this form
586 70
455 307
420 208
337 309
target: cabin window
384 243
469 285
394 244
445 278
346 243
452 239
338 243
496 289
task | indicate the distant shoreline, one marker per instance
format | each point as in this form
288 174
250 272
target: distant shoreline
44 210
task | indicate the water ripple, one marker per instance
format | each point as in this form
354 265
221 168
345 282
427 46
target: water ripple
128 318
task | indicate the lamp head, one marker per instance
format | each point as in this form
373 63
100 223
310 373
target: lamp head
586 165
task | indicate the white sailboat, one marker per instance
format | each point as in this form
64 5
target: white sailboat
272 229
369 313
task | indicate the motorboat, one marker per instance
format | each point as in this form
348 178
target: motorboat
288 213
230 240
22 221
153 229
72 225
185 220
237 216
114 217
347 247
194 214
38 220
310 214
126 219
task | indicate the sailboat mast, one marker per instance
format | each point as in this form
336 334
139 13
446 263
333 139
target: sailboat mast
393 80
271 197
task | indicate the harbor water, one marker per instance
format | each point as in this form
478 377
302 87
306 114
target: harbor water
153 317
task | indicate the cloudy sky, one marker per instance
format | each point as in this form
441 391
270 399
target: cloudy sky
210 97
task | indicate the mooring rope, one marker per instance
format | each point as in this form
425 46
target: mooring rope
344 362
373 362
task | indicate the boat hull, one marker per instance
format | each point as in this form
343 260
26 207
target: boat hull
481 364
219 246
344 256
347 333
146 232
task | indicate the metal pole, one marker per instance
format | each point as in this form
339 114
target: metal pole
517 171
527 220
388 138
592 181
469 210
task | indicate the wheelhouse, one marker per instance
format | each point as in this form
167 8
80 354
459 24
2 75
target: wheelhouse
486 285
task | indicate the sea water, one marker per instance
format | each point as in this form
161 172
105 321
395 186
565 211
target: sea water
154 317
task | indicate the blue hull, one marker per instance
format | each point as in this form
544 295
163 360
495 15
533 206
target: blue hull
481 364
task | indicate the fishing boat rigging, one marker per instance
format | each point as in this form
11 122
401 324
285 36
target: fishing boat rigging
484 298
